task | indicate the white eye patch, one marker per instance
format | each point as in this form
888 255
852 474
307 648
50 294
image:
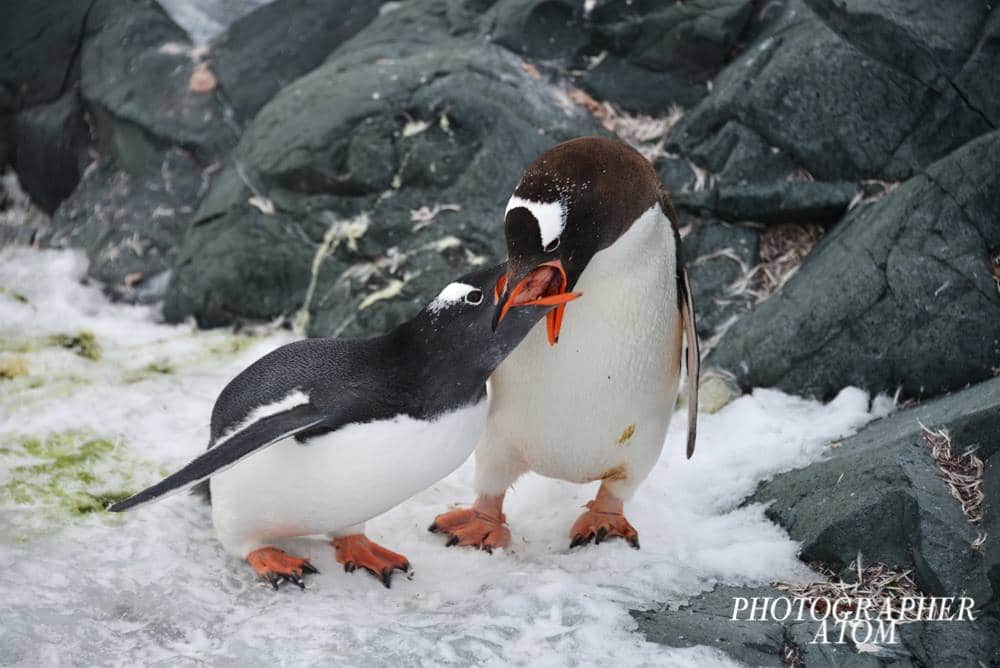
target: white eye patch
456 293
551 216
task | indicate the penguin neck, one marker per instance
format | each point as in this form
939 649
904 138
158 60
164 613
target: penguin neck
443 371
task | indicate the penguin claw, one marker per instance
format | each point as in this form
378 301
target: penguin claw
601 526
275 566
466 527
357 551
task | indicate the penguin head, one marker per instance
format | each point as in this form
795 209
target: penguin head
462 316
577 198
539 271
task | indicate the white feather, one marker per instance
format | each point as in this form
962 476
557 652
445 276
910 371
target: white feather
339 479
292 400
452 294
551 216
612 375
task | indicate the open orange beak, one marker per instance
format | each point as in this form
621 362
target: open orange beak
536 289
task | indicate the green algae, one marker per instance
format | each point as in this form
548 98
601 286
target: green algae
155 368
233 346
67 474
13 367
13 294
161 367
83 343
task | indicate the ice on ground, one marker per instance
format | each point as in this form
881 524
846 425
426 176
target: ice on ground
205 19
155 586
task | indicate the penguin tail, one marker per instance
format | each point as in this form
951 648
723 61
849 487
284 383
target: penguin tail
228 452
693 358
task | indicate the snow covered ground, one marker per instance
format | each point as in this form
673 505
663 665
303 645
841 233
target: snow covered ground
80 586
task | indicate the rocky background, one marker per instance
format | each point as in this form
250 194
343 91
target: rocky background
332 163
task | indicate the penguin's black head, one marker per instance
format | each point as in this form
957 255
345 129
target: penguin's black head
462 316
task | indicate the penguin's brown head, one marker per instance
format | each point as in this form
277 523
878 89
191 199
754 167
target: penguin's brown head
576 199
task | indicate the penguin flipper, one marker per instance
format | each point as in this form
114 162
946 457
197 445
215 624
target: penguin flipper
693 358
242 444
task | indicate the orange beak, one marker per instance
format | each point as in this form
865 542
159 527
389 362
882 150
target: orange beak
559 299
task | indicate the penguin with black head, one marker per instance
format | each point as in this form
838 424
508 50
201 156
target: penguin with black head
323 434
590 215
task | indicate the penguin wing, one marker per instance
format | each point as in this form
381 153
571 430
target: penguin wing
227 453
693 358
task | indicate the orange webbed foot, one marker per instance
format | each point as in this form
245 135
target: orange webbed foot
599 527
276 566
356 551
604 519
471 527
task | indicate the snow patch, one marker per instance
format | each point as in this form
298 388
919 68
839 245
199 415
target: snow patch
157 586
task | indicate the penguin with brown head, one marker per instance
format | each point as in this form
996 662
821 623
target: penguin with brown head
588 396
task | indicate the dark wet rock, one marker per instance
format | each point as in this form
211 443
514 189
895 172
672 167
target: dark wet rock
6 140
130 225
739 156
899 294
799 87
51 141
798 90
660 54
452 125
677 175
991 526
264 51
39 48
249 266
880 493
643 56
407 28
974 87
153 148
717 256
707 620
544 30
930 45
136 70
954 643
779 202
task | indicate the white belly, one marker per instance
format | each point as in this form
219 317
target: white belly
340 479
597 405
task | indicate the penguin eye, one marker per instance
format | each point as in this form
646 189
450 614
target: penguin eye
552 245
474 297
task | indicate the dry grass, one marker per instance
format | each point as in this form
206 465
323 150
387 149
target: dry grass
782 249
647 134
883 585
423 216
790 656
963 473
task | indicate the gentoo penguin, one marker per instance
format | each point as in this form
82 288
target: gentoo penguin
323 434
588 214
